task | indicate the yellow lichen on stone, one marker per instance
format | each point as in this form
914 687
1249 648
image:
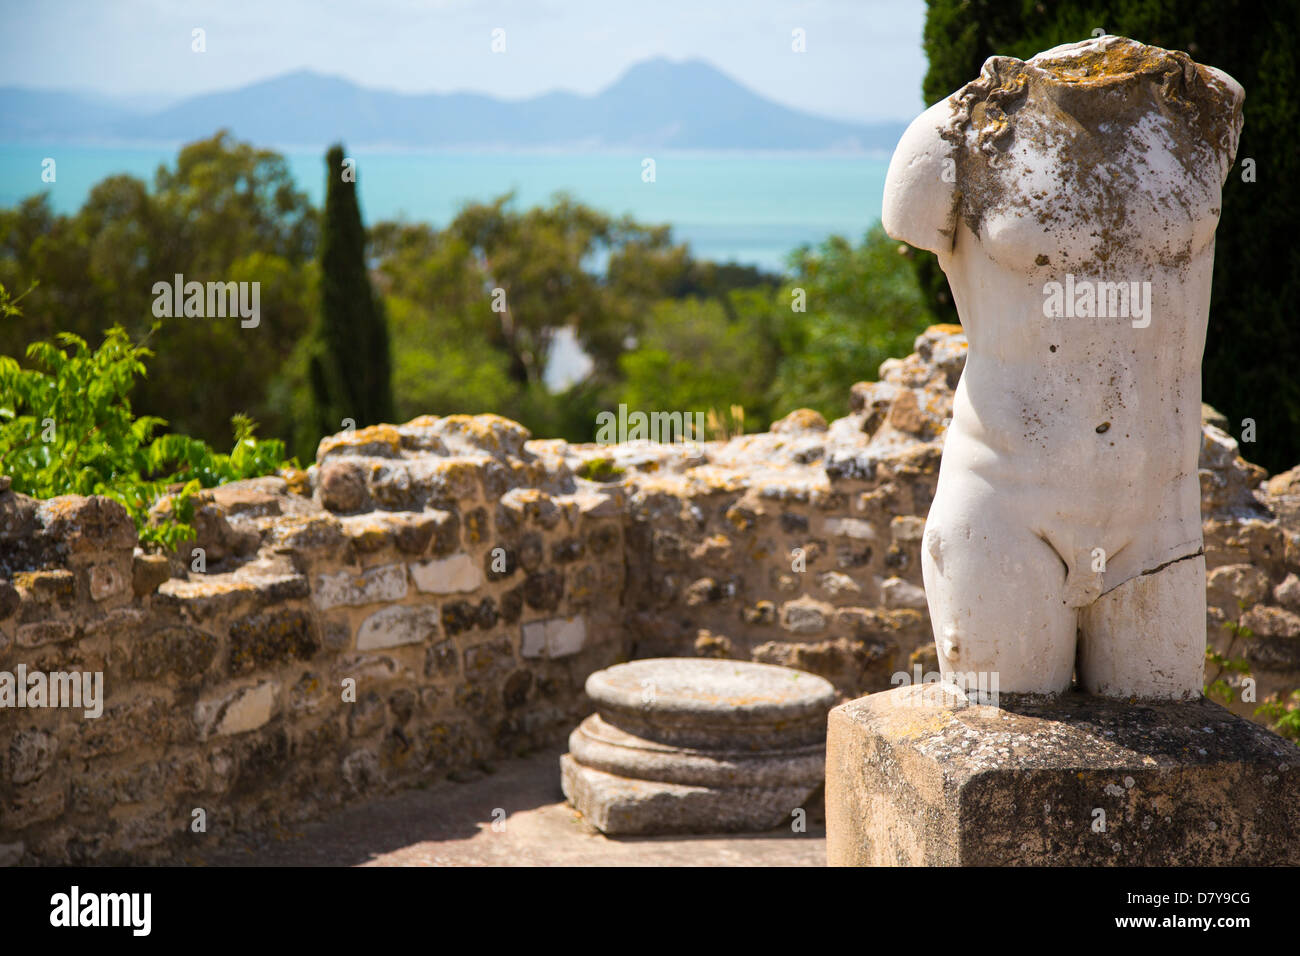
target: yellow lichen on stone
296 481
367 537
486 430
422 421
460 477
371 435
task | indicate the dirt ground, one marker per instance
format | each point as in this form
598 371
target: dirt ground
452 824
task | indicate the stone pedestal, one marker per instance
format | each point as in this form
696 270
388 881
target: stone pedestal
915 777
686 745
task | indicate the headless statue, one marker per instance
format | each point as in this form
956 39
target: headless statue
1072 201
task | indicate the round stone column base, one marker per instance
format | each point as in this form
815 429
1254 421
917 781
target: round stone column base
696 745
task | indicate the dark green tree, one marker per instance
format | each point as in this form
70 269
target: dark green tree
1253 347
350 365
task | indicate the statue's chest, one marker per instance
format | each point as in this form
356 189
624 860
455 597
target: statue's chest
1115 200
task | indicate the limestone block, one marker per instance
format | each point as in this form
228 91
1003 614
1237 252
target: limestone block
855 528
41 633
554 638
898 593
87 524
342 486
30 754
148 571
373 586
106 580
1228 584
184 652
920 778
804 616
394 626
55 584
565 636
237 712
456 574
1288 592
270 638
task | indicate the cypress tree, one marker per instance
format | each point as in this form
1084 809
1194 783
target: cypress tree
351 362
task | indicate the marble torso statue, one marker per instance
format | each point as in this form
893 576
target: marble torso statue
1072 201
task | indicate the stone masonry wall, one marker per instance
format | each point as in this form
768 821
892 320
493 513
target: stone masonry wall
430 597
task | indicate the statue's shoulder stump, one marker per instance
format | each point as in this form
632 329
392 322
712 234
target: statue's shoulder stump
914 777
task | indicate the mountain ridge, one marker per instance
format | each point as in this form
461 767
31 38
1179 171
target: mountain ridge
656 103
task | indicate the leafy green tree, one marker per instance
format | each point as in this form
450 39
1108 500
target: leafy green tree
694 357
477 306
541 271
225 212
863 306
1253 345
443 367
351 363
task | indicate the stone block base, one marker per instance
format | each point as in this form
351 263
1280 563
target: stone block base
917 778
623 806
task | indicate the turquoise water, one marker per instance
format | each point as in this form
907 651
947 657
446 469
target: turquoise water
747 208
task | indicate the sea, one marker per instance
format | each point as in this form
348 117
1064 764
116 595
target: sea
748 208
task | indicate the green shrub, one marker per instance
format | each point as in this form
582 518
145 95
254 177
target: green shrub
66 427
1282 711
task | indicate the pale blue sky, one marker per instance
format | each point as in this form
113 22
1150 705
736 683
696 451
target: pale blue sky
863 59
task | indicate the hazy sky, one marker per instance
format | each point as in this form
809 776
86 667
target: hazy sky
863 58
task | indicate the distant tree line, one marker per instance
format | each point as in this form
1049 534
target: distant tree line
404 319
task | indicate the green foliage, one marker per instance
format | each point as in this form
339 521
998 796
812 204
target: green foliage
224 212
663 331
442 367
752 347
66 427
863 307
1283 714
1253 345
350 365
600 469
477 307
693 356
544 260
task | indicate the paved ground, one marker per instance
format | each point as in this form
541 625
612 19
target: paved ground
451 824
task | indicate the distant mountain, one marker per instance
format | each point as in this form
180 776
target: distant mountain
658 103
37 114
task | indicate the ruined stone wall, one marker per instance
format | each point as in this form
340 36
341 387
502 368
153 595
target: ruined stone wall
464 581
464 584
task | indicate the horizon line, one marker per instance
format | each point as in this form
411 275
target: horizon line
169 102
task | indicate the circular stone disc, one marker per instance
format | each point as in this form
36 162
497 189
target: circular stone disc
712 703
